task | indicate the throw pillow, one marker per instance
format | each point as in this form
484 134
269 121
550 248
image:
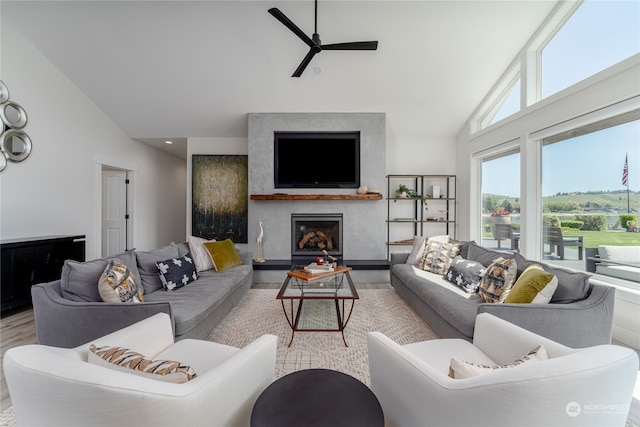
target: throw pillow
498 280
419 243
533 285
79 280
438 256
117 284
466 274
223 254
416 250
199 253
148 268
460 369
177 272
129 361
572 285
484 255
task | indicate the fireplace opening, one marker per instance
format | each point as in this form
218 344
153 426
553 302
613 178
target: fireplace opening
311 234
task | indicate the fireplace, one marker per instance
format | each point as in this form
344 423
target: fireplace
311 234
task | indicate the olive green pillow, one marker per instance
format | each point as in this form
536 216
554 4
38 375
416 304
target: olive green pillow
534 285
223 254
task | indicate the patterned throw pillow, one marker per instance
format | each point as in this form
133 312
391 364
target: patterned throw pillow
466 274
200 254
117 284
497 280
438 256
177 272
460 370
129 361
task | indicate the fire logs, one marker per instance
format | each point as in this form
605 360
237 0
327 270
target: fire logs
316 240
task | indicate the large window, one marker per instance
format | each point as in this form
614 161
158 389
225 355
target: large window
576 43
598 35
501 200
585 198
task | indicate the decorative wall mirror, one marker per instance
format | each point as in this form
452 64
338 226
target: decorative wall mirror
13 115
15 144
4 93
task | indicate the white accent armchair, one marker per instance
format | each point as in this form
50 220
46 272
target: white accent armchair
55 386
576 387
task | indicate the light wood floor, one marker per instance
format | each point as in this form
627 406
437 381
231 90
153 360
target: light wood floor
19 329
15 330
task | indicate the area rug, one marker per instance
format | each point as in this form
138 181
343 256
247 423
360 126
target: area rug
260 313
376 310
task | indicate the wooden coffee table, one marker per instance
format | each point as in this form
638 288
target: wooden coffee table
301 286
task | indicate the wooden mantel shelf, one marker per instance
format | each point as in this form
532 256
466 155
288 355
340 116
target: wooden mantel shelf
282 196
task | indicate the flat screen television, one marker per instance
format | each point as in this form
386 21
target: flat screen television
316 159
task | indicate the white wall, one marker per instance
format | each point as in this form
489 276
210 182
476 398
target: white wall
54 191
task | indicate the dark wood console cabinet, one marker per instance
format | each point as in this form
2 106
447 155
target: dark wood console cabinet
26 262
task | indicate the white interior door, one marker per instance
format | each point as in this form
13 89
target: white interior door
114 212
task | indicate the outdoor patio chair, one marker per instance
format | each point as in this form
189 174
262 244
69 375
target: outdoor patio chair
506 231
553 237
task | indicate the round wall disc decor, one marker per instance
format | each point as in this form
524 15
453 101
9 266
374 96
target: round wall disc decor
13 115
15 144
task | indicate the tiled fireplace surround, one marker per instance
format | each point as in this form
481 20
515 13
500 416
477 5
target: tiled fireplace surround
364 232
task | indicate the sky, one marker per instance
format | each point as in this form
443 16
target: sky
598 35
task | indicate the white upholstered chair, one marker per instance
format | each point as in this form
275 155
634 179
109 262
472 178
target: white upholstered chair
55 386
576 387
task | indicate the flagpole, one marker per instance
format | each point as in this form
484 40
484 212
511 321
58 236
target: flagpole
625 178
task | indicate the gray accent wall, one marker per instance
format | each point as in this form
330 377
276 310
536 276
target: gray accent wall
364 220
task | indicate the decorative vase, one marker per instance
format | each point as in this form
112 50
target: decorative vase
501 219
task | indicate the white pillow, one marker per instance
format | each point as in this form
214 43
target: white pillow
460 369
416 251
545 295
619 253
199 253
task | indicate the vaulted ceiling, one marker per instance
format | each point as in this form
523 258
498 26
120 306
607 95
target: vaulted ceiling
177 69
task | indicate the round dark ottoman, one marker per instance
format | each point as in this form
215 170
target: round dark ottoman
317 397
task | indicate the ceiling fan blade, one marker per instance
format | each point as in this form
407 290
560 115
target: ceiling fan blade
372 45
304 63
290 25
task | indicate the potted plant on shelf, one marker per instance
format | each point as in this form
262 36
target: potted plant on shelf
404 192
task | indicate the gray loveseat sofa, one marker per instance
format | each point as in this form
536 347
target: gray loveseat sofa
580 313
69 312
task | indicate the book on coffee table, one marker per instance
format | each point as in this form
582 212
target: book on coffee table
314 268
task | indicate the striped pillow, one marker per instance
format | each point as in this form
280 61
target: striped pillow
125 360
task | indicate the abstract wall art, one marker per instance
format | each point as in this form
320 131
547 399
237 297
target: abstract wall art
220 197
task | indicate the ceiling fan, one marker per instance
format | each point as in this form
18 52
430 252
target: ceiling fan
314 43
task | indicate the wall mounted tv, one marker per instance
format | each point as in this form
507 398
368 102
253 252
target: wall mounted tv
316 159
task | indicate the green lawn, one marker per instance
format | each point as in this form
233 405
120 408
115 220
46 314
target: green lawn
593 239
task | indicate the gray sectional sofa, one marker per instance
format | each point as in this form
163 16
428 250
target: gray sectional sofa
580 313
69 312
